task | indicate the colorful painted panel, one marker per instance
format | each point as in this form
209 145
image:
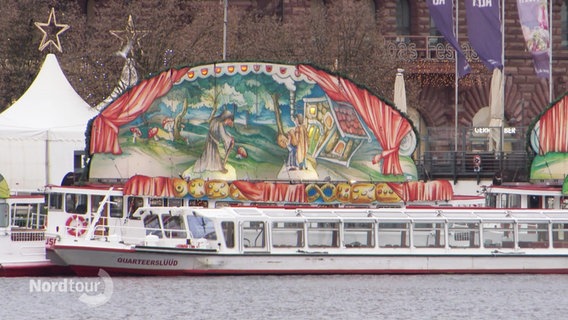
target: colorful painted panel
549 140
251 122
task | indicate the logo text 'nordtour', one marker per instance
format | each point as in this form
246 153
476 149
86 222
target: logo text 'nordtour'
94 291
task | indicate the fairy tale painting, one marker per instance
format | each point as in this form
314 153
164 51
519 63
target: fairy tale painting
258 132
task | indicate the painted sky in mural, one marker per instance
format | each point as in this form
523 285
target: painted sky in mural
252 121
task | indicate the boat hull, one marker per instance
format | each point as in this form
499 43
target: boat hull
86 261
33 269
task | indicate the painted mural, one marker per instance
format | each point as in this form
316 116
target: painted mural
549 140
259 131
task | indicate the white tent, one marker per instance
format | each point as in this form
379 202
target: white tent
40 132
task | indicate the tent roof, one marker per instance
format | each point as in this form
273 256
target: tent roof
49 103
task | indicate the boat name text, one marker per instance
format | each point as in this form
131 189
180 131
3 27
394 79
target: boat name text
148 262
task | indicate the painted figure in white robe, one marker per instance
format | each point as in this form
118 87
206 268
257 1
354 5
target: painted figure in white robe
211 159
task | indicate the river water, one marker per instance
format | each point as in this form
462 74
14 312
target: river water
288 297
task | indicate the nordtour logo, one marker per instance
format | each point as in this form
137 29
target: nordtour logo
94 291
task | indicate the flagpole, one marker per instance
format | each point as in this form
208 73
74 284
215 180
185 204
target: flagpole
456 80
503 78
550 94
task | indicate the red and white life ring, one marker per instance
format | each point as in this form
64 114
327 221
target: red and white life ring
76 225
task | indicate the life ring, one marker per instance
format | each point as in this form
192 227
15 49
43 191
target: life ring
76 225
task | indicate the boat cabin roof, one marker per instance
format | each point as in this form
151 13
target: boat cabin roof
390 214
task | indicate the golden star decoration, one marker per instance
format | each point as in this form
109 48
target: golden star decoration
51 31
129 36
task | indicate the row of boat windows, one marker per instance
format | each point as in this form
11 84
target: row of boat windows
328 234
516 201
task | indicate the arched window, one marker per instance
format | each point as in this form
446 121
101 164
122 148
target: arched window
564 22
402 17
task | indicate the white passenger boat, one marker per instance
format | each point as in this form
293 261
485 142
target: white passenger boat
22 238
526 196
233 241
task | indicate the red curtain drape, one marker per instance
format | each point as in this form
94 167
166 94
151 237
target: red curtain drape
553 131
388 126
423 191
104 132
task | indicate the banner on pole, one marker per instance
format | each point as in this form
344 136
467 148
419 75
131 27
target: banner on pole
441 12
484 31
533 16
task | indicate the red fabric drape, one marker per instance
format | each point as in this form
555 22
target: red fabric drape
267 191
553 131
104 132
388 126
149 186
423 191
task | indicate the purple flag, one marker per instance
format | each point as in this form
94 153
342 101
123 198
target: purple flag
484 30
441 12
533 15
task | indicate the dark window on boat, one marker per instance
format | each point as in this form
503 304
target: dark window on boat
288 234
229 233
533 235
152 225
463 234
560 235
174 202
429 235
173 226
323 234
394 234
76 203
201 227
359 234
116 207
55 201
253 234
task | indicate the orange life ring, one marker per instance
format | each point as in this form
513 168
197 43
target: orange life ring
76 225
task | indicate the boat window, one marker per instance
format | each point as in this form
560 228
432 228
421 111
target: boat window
4 215
152 225
429 235
288 234
133 204
201 227
96 202
26 215
498 235
394 234
533 235
253 234
560 235
55 201
463 234
116 206
76 203
156 202
359 234
174 202
229 233
173 226
323 234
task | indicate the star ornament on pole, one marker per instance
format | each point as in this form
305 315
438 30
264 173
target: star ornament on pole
51 31
129 37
